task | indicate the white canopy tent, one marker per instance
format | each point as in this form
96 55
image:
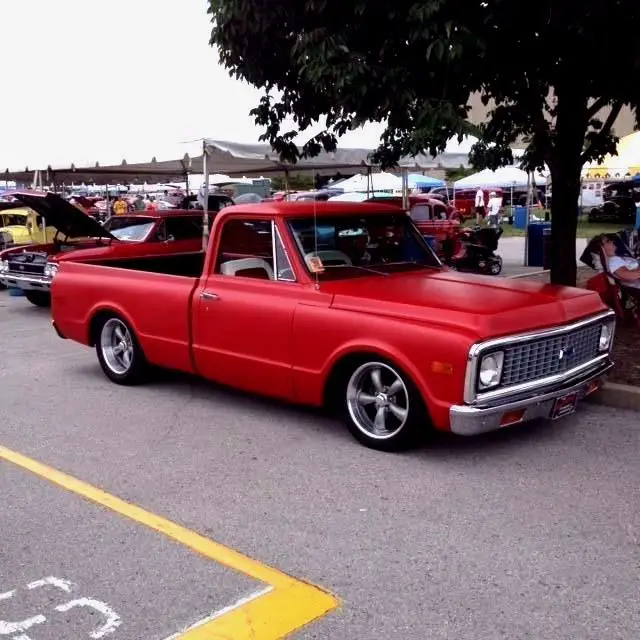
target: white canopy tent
372 182
503 178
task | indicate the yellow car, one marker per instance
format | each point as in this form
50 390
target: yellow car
25 226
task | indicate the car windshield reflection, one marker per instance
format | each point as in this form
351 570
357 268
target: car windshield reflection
128 229
352 246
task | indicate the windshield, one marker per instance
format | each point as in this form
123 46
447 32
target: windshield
12 219
129 229
357 245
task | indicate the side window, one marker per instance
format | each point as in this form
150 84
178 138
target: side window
184 228
421 213
253 249
246 250
284 271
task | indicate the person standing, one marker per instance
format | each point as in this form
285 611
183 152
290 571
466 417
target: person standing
479 204
120 207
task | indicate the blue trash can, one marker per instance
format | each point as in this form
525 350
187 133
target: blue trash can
535 243
520 218
637 217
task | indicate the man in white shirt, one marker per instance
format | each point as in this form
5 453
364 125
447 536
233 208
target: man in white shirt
495 204
479 204
625 269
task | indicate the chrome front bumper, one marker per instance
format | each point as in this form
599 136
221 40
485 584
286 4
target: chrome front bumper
25 282
471 420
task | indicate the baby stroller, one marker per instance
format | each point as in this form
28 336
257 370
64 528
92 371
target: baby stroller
477 251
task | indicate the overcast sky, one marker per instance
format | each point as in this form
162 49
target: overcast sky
89 78
96 80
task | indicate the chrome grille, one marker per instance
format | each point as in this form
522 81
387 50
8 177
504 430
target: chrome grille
29 268
544 357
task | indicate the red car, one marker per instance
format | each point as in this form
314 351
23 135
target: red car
437 221
31 268
343 305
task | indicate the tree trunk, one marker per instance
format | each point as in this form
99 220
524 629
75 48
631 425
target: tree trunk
564 222
565 167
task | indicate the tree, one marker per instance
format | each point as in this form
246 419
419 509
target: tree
556 75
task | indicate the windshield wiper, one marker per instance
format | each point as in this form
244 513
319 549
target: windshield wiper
353 266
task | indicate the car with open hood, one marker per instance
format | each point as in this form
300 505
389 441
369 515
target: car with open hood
344 305
79 236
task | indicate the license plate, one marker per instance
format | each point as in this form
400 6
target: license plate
564 406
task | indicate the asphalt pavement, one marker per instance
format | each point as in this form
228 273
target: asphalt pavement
529 533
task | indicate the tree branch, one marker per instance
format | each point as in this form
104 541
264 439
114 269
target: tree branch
596 106
606 128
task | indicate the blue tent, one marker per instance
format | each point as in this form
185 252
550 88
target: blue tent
417 180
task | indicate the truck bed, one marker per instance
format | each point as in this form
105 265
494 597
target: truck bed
152 294
188 265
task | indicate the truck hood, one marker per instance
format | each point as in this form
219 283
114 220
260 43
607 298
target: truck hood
62 215
481 306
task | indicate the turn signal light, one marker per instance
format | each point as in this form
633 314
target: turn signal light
442 367
511 417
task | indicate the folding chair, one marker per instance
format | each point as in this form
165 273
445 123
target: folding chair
624 300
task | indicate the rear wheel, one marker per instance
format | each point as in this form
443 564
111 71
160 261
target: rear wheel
495 268
383 410
119 353
38 298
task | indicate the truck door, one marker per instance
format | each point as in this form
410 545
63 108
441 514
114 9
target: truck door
243 312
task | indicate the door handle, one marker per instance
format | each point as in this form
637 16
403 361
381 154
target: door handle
207 295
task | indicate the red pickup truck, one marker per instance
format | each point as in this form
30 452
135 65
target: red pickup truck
345 305
80 237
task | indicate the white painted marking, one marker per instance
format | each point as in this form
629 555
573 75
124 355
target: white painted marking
221 612
64 585
22 636
113 619
9 628
7 594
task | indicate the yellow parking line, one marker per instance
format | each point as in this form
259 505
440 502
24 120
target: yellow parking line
290 605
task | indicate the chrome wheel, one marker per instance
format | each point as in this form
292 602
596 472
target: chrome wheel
117 346
378 400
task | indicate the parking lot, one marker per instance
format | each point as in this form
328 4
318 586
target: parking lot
179 509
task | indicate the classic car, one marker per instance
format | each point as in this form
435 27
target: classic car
23 225
438 222
342 305
79 236
619 203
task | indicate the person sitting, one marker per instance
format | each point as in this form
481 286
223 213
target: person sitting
623 268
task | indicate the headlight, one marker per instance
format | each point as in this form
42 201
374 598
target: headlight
606 336
4 266
490 370
50 270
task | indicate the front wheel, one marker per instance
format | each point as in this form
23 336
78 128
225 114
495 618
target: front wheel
119 353
384 411
38 298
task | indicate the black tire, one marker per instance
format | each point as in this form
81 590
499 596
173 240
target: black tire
129 370
402 433
39 298
495 269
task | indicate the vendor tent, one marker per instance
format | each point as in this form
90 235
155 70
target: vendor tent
419 181
371 182
623 165
503 178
